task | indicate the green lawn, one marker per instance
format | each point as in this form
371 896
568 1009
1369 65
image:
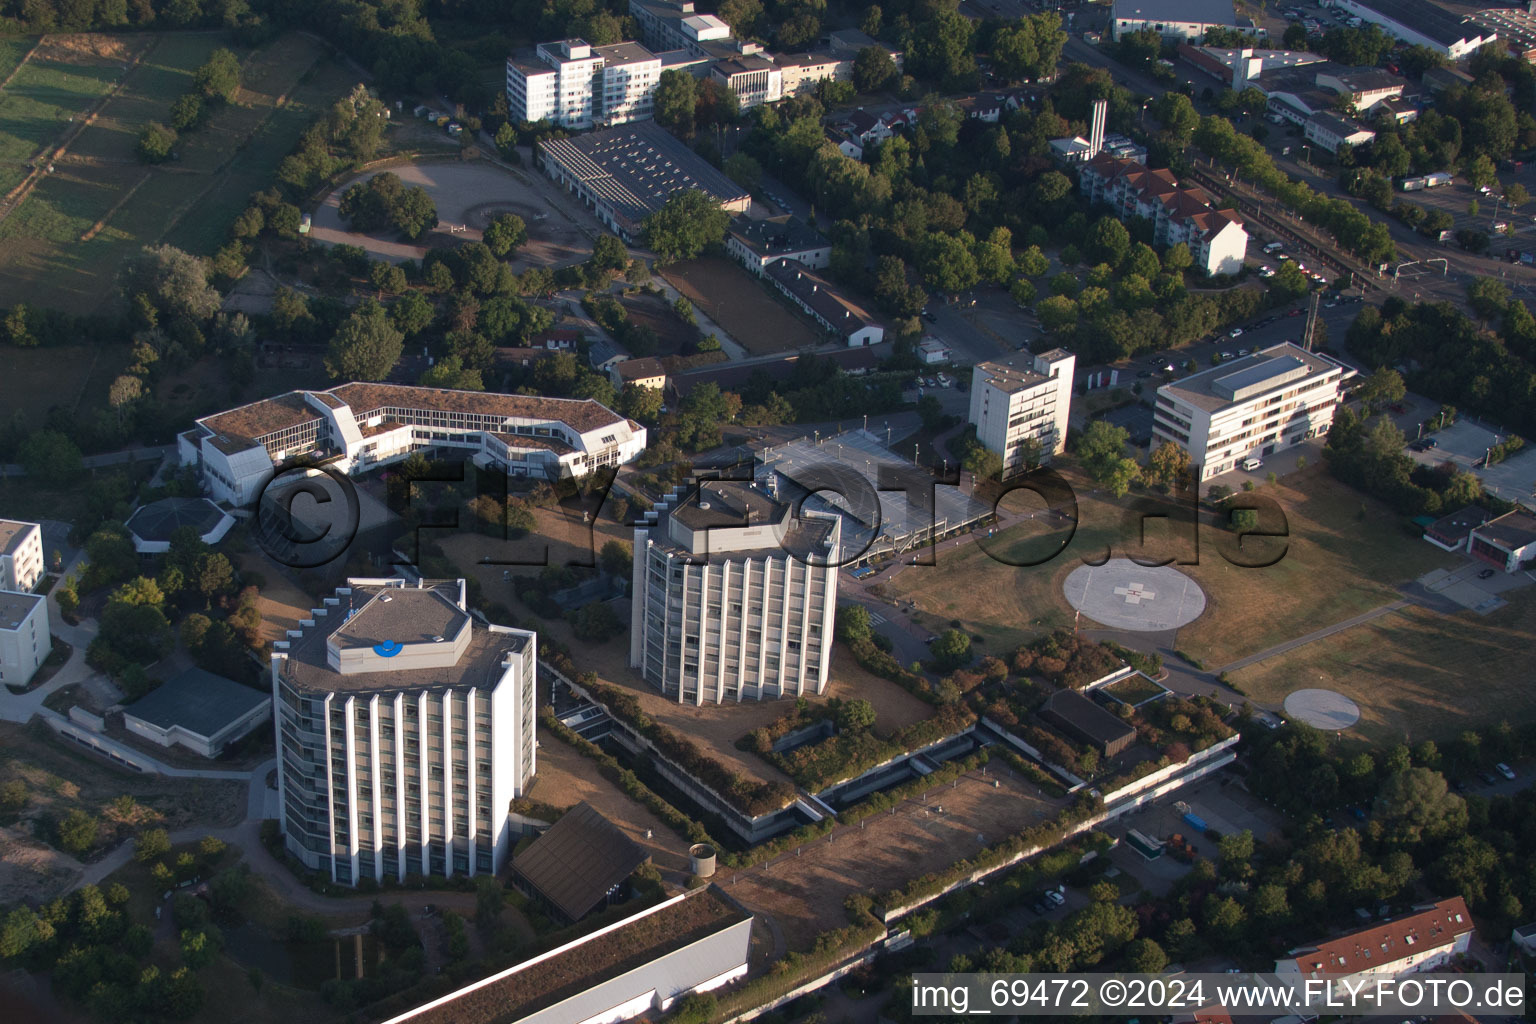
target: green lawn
1415 673
41 99
1337 564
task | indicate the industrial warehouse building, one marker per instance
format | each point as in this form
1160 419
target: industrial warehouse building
625 174
734 595
405 728
643 964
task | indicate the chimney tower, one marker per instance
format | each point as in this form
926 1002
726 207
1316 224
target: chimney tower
1096 134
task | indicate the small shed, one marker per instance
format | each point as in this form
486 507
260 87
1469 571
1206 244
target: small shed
579 865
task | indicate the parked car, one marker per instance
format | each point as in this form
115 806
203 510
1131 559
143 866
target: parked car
1225 356
1236 332
1487 778
1486 574
1266 272
1430 442
1504 770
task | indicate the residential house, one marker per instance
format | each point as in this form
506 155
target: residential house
646 372
1216 238
1421 941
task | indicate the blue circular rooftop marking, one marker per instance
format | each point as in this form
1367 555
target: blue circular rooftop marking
387 649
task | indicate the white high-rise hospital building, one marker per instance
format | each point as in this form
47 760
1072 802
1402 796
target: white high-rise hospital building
405 728
734 598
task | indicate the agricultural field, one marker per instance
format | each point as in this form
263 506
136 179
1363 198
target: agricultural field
742 305
64 241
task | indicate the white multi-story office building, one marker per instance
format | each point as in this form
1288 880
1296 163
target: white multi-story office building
575 85
362 426
405 728
1021 400
734 596
21 555
1277 397
24 639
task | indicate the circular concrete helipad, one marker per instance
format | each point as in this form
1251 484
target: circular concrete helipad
1123 595
1324 709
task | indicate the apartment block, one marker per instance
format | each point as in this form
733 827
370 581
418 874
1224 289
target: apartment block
405 728
576 85
1216 238
24 638
1361 959
1023 400
734 596
1250 407
21 555
358 427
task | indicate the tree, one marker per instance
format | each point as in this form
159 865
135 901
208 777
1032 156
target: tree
674 101
156 142
952 649
874 70
853 623
596 623
1488 297
1145 956
947 262
152 844
450 372
682 228
505 234
1417 803
1168 463
50 458
411 313
366 347
1382 388
608 253
219 76
855 716
1101 450
187 114
77 832
1108 241
617 558
173 282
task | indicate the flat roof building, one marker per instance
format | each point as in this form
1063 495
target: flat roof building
1020 406
361 426
405 728
1450 532
580 865
1249 407
734 595
1330 131
21 555
575 85
1082 719
645 963
24 638
201 711
1508 542
1420 22
1173 19
626 174
152 525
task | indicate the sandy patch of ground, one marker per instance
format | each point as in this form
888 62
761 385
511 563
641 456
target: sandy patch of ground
30 871
86 47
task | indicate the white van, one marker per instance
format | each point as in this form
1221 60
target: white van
1252 463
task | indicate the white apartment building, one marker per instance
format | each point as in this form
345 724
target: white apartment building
1422 941
1020 399
575 85
1217 240
21 555
24 638
405 728
361 426
1250 407
734 597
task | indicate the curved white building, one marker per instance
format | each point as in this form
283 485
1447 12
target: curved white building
361 426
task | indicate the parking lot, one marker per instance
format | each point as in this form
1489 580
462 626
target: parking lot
1466 444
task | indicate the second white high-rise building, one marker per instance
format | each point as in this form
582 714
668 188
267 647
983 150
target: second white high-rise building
734 597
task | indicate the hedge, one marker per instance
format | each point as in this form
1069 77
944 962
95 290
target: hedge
847 754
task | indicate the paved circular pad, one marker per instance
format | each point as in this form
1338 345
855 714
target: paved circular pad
1123 595
1324 709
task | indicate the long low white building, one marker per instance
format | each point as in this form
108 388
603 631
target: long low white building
361 426
1419 22
643 964
1250 407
